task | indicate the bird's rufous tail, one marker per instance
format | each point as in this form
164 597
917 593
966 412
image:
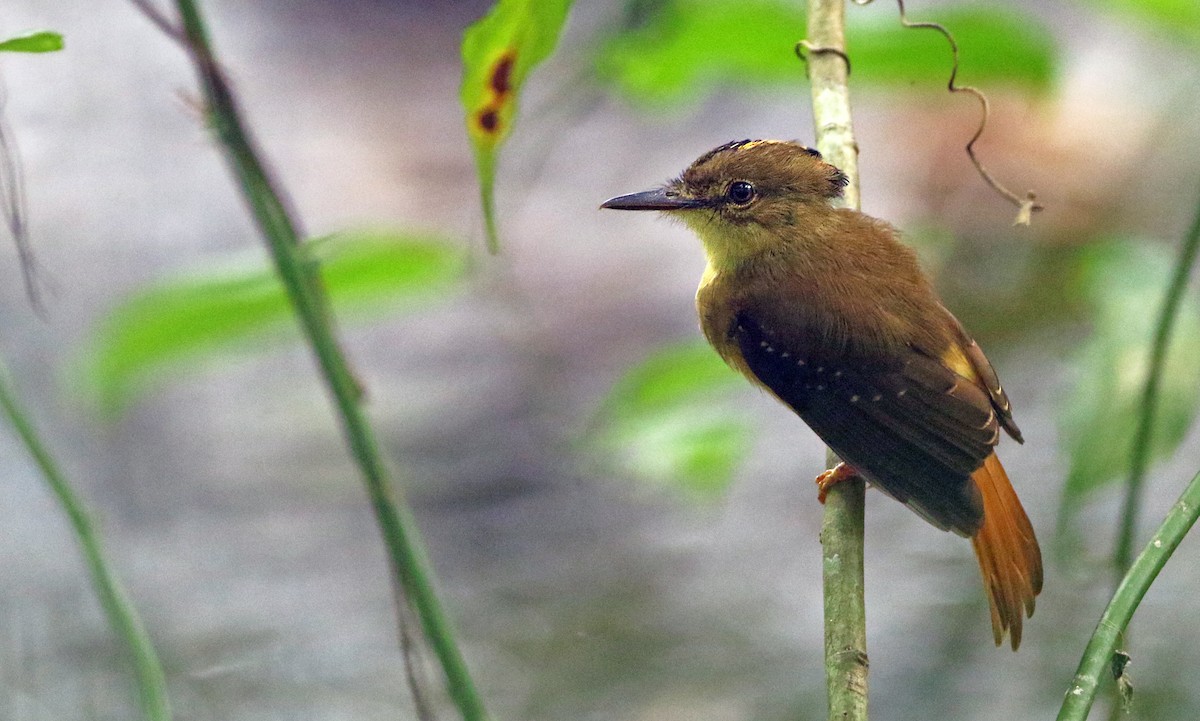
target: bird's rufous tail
1008 553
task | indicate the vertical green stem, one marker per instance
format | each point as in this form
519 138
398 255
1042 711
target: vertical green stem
845 611
409 561
828 73
1144 436
842 526
122 616
1097 657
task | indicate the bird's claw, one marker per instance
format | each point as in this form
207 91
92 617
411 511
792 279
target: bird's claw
833 476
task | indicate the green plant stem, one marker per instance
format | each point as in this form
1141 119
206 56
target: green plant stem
122 616
845 611
1144 436
408 558
1097 657
842 525
828 73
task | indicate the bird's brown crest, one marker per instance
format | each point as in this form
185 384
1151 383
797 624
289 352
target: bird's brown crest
772 166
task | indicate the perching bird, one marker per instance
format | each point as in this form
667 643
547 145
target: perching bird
829 311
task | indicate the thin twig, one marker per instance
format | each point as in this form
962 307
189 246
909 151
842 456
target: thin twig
409 563
1025 206
15 211
842 526
410 650
160 20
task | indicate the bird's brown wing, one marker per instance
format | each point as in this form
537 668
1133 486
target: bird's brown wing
972 363
913 427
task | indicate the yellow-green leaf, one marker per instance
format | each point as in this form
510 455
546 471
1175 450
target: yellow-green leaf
667 420
1175 18
1125 283
42 41
498 53
170 326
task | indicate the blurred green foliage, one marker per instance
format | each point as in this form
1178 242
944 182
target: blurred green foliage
178 322
1124 283
678 52
1174 18
498 53
40 41
667 420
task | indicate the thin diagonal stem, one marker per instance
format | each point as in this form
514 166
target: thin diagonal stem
1143 439
409 561
13 208
121 614
1097 657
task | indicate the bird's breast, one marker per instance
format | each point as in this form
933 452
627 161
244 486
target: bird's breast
715 304
833 315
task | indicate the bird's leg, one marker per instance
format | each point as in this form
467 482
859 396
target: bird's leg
837 474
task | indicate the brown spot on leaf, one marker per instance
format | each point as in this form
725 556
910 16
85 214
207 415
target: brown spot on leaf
502 73
489 120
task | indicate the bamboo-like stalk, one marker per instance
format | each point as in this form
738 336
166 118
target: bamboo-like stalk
845 610
1097 657
842 525
409 562
118 608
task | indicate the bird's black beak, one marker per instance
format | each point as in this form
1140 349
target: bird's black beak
659 199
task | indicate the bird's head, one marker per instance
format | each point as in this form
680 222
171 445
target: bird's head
744 195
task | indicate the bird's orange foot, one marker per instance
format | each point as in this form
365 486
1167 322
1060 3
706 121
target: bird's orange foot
828 479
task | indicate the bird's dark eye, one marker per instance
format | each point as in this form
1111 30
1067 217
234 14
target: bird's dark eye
740 192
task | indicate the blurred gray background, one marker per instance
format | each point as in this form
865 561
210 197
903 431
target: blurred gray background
238 523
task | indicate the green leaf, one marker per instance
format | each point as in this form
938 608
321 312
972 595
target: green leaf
683 51
1175 18
996 46
665 420
498 53
177 323
1125 282
42 41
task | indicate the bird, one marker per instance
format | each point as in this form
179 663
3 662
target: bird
828 310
